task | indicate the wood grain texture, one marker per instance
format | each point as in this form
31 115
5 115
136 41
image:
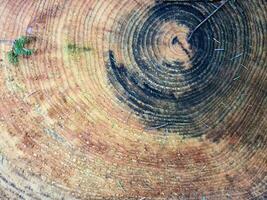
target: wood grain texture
116 103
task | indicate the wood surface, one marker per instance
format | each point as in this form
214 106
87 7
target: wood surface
117 103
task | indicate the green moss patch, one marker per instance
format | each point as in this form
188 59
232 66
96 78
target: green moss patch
18 49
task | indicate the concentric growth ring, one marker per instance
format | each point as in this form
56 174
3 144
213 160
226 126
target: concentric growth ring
175 84
134 99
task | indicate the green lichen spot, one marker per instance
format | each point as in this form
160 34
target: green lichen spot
73 48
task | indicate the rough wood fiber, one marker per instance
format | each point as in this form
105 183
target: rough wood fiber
117 103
